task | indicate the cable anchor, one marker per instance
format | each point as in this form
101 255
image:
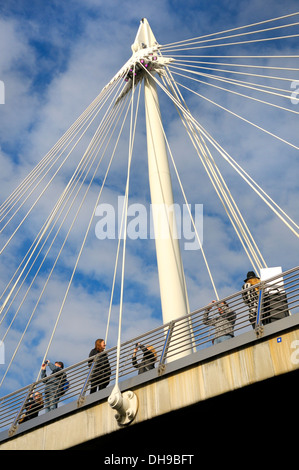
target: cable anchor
125 404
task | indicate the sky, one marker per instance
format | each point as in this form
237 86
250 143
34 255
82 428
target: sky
55 59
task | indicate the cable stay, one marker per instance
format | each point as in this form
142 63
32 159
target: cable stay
76 173
64 219
251 86
264 196
58 207
234 29
185 61
219 184
116 117
191 43
41 170
123 403
236 43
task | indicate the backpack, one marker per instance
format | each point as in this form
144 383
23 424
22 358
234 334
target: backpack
64 385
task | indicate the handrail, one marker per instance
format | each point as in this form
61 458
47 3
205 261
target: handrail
169 340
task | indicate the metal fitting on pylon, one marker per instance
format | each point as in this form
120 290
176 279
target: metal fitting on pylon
125 404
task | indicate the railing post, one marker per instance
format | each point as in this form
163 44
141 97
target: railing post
15 425
161 366
259 329
81 398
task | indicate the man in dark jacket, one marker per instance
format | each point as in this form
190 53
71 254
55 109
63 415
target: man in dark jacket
53 384
101 370
148 360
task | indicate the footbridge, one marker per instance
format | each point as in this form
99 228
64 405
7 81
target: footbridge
172 396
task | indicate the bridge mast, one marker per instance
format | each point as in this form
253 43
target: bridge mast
173 292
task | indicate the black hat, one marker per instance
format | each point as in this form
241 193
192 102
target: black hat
250 275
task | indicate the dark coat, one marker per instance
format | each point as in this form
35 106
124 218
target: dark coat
147 362
53 383
33 407
101 370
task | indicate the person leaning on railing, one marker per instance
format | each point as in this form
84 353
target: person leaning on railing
148 359
223 322
33 406
274 304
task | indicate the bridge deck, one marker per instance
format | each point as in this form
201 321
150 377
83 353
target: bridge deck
197 377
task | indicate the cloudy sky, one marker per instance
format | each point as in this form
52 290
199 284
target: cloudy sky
55 59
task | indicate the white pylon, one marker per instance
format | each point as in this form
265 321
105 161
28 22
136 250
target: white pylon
174 300
171 275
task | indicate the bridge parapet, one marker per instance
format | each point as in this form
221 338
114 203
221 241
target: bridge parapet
251 355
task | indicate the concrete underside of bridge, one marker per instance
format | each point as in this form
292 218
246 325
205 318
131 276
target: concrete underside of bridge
252 417
247 383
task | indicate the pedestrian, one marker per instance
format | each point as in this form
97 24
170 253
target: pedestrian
275 305
223 322
251 296
33 406
148 359
101 370
53 383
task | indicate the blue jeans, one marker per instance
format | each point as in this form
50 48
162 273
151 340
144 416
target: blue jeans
50 402
220 339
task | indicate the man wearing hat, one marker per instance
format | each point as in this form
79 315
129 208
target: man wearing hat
251 297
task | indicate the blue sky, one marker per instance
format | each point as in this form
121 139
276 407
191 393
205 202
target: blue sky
55 57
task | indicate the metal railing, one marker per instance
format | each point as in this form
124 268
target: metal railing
274 299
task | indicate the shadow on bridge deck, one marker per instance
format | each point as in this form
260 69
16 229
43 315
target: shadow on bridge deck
260 415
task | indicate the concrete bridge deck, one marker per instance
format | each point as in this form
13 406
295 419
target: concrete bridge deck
171 403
